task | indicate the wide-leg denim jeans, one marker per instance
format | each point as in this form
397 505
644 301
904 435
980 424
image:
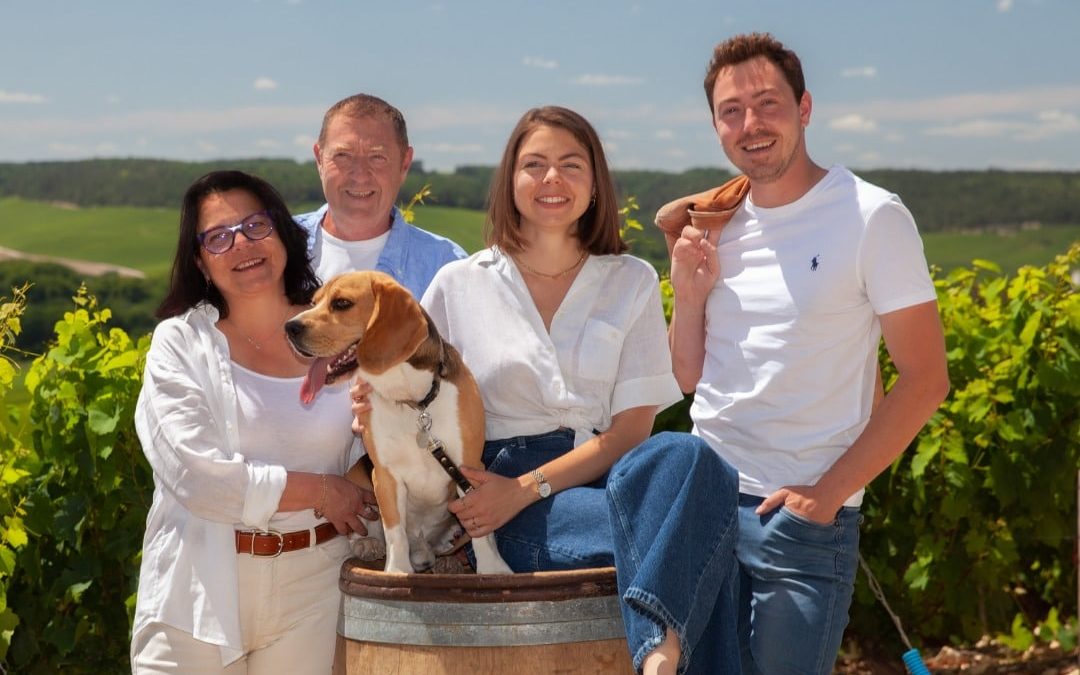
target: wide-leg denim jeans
666 516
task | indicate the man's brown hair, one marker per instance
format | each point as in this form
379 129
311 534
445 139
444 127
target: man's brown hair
740 48
366 105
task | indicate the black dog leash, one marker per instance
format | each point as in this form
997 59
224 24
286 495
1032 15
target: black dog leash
423 423
425 440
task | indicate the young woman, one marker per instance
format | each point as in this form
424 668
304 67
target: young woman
566 337
241 554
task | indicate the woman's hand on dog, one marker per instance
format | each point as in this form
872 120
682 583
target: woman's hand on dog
358 392
492 502
347 503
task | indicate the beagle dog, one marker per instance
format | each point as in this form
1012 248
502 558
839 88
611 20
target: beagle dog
423 396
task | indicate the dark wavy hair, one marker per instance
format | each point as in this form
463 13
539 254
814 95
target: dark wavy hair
598 227
188 287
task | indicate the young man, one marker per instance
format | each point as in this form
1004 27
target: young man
363 156
776 328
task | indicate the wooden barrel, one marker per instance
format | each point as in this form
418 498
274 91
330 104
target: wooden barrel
446 624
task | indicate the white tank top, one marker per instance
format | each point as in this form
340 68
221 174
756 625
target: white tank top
276 428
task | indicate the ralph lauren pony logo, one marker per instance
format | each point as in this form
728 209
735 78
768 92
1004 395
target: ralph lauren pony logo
814 262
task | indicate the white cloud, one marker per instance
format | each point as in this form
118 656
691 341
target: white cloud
665 134
1046 124
537 62
265 84
176 122
861 71
618 134
451 148
304 141
1004 5
977 128
598 80
206 147
460 115
65 149
1052 123
82 150
267 144
854 123
941 109
20 97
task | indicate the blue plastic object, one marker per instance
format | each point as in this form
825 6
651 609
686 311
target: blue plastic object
914 663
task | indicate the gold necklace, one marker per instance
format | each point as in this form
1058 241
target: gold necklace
556 275
251 341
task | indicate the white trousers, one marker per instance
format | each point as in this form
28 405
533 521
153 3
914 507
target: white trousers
289 607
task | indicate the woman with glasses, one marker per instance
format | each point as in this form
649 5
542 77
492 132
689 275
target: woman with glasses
241 554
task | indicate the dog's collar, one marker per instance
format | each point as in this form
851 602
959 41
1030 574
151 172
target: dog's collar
436 381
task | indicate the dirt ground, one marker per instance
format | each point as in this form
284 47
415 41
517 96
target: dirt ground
988 660
87 267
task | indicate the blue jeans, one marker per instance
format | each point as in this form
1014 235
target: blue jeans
671 516
796 580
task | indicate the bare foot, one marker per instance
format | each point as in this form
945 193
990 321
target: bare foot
664 660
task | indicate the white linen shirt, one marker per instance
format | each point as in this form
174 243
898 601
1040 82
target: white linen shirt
204 487
607 350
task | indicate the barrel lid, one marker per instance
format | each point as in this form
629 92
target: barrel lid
360 581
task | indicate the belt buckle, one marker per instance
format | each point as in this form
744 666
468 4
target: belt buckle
272 533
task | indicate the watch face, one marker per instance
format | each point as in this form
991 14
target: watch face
545 490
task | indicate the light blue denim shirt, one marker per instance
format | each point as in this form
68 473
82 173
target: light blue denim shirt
411 255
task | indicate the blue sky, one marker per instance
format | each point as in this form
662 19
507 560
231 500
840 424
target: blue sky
932 84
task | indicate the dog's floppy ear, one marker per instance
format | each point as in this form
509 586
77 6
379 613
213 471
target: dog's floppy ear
395 330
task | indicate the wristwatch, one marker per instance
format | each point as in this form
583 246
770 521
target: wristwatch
543 488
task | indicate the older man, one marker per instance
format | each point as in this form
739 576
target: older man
363 156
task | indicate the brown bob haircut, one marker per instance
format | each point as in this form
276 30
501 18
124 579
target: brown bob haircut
366 105
736 50
598 227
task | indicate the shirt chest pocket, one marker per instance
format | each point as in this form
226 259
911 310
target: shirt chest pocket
601 349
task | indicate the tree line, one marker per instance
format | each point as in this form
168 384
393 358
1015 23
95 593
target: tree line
939 200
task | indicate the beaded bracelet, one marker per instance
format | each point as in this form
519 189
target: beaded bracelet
322 503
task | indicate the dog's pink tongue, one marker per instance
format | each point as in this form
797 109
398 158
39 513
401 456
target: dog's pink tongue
314 380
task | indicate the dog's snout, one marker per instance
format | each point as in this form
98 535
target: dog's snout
294 328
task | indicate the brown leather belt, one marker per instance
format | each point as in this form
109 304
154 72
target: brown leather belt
271 544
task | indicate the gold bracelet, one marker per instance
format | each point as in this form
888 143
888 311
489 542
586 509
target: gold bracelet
322 504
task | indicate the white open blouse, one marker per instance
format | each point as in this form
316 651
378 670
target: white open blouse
607 350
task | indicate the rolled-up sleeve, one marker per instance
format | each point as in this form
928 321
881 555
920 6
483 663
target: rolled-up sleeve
644 375
186 433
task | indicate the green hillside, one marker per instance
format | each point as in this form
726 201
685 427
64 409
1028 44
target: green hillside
1009 248
144 238
465 226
